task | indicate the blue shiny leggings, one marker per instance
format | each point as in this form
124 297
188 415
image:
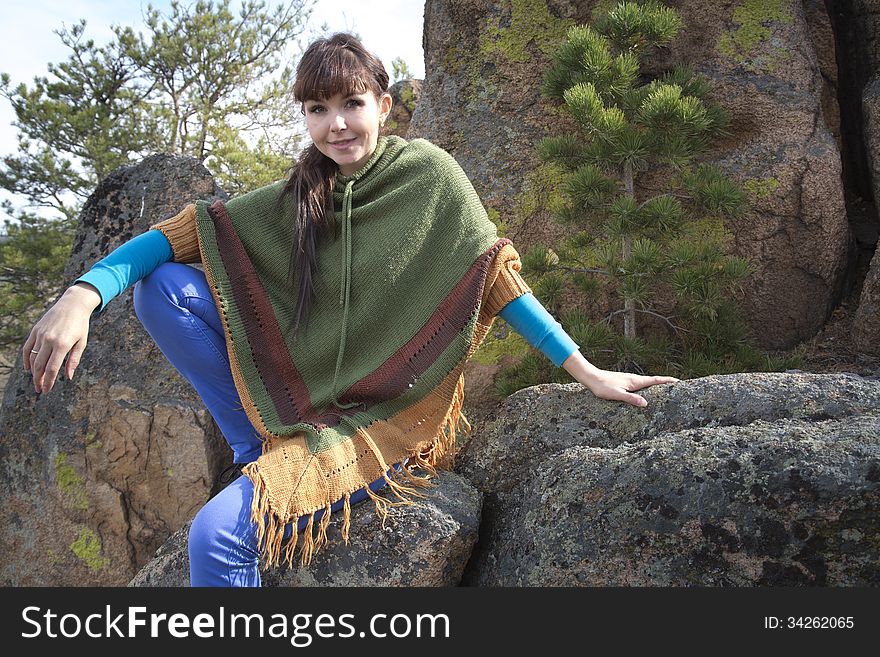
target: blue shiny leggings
175 305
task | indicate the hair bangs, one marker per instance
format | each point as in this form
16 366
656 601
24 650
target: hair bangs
339 72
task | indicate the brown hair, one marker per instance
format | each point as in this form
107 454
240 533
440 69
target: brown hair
335 64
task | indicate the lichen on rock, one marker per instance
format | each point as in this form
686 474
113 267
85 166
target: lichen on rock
70 483
753 17
87 548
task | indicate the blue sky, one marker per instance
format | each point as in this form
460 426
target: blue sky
390 28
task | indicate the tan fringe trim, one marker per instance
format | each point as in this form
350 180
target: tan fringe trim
441 452
381 504
403 484
291 546
322 527
399 490
346 518
308 547
406 476
275 532
259 502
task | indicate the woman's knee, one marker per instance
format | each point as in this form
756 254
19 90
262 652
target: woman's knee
202 533
155 289
165 290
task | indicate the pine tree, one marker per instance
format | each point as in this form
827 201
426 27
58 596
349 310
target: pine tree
33 253
195 83
659 250
400 70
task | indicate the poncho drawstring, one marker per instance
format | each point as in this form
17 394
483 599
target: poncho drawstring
345 289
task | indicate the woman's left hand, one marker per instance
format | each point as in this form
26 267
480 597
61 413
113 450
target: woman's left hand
608 384
617 386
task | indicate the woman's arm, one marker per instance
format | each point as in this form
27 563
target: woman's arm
64 328
529 318
126 265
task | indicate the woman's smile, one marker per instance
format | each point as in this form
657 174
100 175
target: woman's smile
342 144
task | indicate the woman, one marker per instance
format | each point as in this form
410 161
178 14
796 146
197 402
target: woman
398 274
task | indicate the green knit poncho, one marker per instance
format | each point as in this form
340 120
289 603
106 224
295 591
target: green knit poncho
403 298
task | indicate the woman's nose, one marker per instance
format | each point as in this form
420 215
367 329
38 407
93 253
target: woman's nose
338 122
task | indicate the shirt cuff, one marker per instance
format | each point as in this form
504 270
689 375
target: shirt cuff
530 319
126 265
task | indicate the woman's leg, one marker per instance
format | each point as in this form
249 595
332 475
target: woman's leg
223 540
175 305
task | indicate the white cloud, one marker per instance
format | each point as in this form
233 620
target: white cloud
390 28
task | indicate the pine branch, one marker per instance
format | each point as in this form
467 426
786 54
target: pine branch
607 319
583 270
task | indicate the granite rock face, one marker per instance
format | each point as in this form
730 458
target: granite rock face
404 97
866 321
97 473
427 544
742 480
858 25
484 62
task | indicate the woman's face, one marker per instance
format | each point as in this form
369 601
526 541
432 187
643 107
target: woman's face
346 128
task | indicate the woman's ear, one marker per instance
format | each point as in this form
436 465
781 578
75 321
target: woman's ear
385 104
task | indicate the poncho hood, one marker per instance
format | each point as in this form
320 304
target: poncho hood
404 297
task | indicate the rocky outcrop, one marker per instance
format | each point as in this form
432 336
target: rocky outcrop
484 63
423 545
743 480
96 474
404 96
735 480
821 35
866 323
871 113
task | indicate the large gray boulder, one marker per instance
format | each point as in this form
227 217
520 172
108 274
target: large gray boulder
96 474
484 63
744 479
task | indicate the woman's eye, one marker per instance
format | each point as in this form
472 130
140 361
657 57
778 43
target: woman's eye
315 108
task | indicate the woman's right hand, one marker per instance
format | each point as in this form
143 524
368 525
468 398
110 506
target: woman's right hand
64 328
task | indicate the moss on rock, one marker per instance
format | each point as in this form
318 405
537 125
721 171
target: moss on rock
87 548
542 190
70 482
761 188
530 22
408 98
753 17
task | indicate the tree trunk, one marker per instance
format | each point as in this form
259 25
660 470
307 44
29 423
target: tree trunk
629 315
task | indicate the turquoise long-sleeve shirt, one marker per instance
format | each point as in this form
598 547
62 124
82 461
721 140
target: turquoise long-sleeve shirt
139 256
